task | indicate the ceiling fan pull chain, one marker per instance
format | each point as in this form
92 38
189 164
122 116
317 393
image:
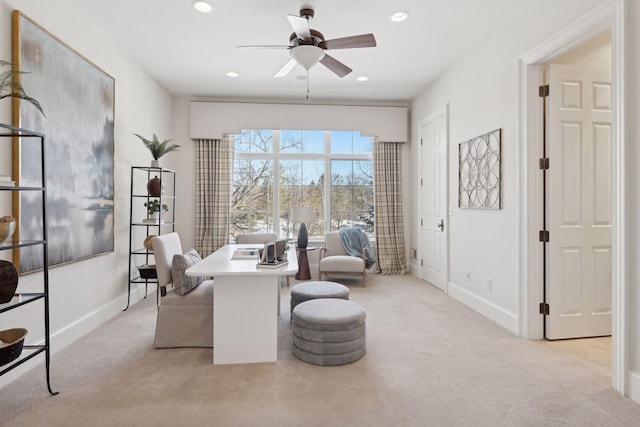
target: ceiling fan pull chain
307 84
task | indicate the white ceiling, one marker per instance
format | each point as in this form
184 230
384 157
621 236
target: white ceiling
189 52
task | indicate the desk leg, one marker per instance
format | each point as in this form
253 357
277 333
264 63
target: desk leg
304 273
245 320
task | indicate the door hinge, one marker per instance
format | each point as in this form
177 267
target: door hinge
544 308
421 222
543 163
421 181
544 236
543 91
421 263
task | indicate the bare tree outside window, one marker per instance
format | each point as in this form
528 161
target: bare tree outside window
298 161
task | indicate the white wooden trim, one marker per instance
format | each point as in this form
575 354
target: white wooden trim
498 314
608 15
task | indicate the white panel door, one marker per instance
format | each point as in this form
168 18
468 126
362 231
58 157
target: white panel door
578 282
433 170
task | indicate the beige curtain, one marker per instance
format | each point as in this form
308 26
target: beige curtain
387 178
214 166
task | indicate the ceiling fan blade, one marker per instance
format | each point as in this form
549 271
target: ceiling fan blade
284 70
264 46
300 26
363 40
337 67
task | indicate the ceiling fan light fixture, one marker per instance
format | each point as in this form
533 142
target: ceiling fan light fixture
307 55
399 16
362 78
232 74
202 6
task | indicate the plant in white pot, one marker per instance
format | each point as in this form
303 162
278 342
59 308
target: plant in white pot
157 148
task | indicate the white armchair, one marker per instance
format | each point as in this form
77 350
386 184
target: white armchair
183 320
335 260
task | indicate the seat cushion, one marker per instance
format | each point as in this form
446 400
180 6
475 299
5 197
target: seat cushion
182 283
329 314
201 295
319 289
342 264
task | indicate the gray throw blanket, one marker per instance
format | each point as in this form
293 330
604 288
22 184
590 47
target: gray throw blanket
353 240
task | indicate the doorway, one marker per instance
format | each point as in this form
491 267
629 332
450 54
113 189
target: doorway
433 139
609 16
577 191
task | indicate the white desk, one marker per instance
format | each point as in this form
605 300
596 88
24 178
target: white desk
245 305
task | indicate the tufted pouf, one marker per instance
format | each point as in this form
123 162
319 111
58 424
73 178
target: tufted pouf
329 331
313 290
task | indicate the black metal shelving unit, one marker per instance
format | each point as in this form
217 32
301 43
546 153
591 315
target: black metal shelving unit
20 136
138 229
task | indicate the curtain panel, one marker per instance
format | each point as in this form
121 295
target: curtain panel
387 181
214 166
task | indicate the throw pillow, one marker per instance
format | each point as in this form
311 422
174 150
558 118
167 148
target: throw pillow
181 282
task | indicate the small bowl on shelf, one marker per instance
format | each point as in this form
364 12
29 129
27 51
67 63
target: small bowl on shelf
147 271
11 341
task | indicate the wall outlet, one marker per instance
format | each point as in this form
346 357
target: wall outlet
489 285
468 276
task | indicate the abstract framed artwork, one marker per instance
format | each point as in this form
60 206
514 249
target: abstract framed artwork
479 172
78 100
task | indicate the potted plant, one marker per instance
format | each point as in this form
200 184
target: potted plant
154 207
158 148
9 85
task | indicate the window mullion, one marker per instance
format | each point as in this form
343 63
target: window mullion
276 182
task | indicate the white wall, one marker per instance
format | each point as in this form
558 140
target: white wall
482 92
86 293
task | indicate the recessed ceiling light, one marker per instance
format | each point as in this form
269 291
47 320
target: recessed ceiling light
399 16
362 78
202 6
233 74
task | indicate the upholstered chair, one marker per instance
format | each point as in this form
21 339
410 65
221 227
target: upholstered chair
261 238
336 261
183 320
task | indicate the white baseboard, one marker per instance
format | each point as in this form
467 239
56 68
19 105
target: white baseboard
415 269
633 387
500 315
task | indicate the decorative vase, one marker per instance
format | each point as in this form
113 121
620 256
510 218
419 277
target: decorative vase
8 281
303 237
147 242
155 163
155 187
7 228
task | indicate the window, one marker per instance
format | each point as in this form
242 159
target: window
275 170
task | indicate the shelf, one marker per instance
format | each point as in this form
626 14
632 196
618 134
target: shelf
140 176
20 299
19 136
19 244
28 352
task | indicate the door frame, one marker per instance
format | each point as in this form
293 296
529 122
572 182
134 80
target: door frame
608 16
435 114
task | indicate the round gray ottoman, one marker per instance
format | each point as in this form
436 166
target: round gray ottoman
329 331
313 290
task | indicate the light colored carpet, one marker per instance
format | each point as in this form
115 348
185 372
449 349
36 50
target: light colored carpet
430 362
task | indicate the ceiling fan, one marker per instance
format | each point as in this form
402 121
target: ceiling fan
307 46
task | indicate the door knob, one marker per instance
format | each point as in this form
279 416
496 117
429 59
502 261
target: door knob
441 224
